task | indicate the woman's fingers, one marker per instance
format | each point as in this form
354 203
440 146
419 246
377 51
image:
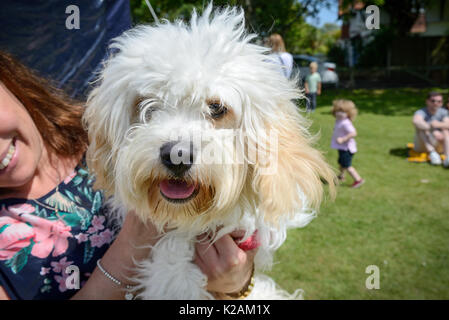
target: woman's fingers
227 267
206 256
228 251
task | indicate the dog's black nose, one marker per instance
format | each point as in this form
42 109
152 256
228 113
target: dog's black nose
177 156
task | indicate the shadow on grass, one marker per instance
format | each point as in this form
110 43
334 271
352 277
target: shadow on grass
394 102
399 152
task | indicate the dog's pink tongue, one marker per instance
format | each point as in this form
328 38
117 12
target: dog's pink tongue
176 189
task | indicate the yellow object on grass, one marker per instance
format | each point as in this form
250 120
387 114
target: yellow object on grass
414 156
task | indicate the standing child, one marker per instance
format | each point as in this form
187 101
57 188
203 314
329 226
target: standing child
280 54
312 86
343 140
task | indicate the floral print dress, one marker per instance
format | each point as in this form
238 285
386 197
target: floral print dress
40 239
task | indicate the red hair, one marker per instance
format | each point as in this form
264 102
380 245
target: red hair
57 118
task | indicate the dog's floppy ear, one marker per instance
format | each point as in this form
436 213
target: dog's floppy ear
107 118
297 170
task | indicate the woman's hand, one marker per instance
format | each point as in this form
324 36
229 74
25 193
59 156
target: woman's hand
228 268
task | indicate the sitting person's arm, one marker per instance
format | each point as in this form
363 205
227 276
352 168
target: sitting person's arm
420 123
440 124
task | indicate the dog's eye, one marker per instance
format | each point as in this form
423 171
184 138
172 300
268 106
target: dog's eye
217 110
147 107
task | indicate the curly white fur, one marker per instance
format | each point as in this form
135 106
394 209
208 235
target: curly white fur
158 87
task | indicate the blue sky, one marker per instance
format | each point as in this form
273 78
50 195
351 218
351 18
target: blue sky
326 16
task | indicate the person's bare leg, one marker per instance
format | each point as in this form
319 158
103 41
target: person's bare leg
354 174
446 142
341 176
425 139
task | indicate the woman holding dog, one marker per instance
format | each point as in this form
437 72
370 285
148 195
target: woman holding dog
53 226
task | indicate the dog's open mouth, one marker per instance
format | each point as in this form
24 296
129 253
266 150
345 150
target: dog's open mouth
178 190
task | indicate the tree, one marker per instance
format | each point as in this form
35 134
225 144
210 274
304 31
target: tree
286 17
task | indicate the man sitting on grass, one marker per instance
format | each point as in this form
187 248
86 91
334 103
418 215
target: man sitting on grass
432 129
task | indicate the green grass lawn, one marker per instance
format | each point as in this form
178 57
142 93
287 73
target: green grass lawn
398 220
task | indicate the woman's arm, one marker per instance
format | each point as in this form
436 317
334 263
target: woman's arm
118 260
227 267
3 295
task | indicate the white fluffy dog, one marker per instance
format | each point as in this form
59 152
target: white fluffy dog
193 127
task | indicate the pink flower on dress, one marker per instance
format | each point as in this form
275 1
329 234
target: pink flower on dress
61 280
61 266
96 241
21 208
106 236
81 237
97 222
70 177
44 271
15 236
50 235
47 235
91 230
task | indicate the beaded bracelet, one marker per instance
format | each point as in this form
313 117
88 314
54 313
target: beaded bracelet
246 291
128 295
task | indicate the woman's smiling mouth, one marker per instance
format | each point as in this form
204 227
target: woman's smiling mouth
6 160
